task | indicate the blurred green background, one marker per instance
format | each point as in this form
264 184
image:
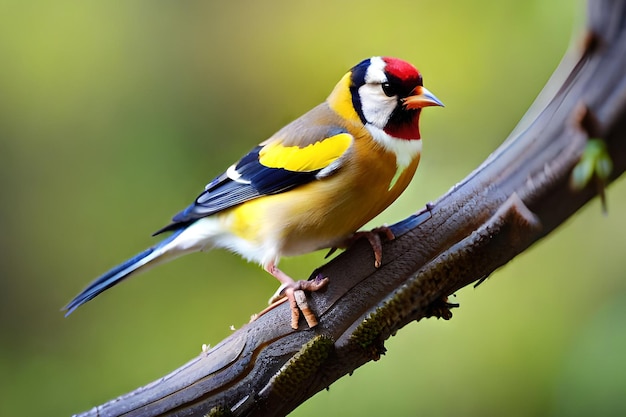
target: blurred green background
114 115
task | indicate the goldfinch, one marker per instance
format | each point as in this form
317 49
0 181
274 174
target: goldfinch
310 186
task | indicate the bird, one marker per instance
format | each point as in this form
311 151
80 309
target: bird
310 186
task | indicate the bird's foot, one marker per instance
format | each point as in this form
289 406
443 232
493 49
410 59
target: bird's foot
373 237
294 292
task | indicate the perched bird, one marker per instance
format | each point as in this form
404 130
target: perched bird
310 186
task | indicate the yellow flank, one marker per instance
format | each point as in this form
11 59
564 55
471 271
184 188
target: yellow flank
312 157
246 221
340 100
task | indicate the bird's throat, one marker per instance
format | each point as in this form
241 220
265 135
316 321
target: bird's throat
404 125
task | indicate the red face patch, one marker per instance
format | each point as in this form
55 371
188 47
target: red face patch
407 127
401 69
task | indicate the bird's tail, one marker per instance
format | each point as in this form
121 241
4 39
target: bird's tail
163 251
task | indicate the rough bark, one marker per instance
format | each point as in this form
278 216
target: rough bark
518 195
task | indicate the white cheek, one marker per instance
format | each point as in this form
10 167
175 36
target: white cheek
376 106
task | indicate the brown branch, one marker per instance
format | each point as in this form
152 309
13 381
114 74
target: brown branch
518 195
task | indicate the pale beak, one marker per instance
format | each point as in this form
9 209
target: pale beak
421 97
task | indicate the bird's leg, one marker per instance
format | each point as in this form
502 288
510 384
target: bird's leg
373 237
294 292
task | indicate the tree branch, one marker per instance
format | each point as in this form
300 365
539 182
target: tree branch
518 195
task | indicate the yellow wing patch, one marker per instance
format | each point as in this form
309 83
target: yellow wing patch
312 157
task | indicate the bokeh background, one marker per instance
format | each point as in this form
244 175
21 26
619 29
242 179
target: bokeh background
113 116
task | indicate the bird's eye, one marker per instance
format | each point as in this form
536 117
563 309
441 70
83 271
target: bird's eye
388 89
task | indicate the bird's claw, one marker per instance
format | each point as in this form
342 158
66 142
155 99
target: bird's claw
294 292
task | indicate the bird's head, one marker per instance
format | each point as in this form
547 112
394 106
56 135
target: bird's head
384 94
